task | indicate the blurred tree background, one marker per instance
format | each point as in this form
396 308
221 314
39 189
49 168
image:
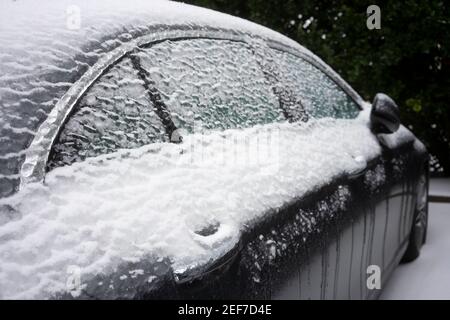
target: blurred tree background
408 58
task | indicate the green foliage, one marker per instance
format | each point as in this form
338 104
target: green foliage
408 58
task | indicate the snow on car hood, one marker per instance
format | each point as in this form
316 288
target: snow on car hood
121 207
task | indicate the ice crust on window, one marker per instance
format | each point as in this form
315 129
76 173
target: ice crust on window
211 84
115 113
320 96
205 84
154 200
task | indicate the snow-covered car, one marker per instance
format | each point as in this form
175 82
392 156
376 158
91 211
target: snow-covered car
152 149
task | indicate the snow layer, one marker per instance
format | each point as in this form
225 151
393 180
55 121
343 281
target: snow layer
101 212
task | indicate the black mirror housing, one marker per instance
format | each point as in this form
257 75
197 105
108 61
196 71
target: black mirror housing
385 115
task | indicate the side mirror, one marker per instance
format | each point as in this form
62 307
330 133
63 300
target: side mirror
385 115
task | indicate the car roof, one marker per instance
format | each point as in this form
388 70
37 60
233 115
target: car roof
46 62
45 32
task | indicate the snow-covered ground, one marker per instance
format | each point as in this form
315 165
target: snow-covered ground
440 187
429 276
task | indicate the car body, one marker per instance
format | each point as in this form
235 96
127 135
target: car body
342 197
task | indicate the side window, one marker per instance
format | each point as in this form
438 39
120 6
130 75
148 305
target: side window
188 84
115 113
211 84
320 95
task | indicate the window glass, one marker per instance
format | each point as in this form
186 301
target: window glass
115 113
211 84
202 84
319 94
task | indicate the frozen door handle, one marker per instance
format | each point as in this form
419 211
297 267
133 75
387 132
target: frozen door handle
219 237
360 168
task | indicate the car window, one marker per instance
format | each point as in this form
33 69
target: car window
190 84
211 84
319 94
115 113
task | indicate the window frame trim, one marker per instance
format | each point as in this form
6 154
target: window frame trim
33 169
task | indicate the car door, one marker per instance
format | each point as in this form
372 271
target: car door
384 189
154 94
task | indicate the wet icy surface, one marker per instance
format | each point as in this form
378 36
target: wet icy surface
154 200
324 100
204 84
